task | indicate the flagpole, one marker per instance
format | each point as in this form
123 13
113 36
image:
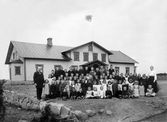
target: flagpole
92 28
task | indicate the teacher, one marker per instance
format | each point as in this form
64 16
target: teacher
152 79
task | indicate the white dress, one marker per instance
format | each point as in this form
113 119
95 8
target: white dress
136 90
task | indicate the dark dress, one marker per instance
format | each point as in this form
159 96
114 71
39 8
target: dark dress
151 82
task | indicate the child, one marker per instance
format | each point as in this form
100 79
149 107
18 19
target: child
96 93
64 94
46 89
73 93
68 89
125 91
150 91
102 92
89 93
110 83
119 93
136 89
108 93
77 86
80 94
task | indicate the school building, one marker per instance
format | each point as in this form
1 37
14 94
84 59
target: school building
24 58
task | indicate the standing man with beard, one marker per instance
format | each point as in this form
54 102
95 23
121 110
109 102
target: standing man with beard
39 82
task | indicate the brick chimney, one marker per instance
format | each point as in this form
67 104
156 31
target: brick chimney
49 42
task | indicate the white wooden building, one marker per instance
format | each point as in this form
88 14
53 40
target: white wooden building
24 58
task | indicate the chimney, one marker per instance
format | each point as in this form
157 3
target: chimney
49 42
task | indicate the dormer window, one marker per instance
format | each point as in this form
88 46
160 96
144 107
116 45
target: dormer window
90 47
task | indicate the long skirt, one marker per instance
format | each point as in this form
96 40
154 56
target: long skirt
154 84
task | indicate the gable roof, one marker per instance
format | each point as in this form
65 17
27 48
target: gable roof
120 57
92 42
37 51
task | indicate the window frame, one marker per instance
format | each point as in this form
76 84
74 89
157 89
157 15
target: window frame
85 54
90 47
103 57
94 56
117 70
127 70
39 65
76 57
16 70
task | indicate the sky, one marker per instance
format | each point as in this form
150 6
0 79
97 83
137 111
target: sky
138 28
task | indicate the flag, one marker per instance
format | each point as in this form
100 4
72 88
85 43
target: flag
88 18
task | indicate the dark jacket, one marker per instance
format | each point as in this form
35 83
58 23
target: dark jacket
38 79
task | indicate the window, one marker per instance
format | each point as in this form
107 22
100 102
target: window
127 70
17 70
95 56
14 56
74 66
76 56
39 66
90 47
103 57
117 70
86 56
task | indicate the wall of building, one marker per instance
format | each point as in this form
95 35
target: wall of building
122 67
83 49
48 65
13 76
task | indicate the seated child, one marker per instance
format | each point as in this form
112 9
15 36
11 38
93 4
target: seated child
102 92
96 93
150 91
125 91
89 93
73 94
136 89
108 93
80 94
64 94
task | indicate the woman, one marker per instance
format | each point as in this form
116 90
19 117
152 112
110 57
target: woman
152 79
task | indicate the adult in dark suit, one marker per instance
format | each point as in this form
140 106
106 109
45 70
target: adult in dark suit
39 82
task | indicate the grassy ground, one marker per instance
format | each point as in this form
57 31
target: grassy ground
125 110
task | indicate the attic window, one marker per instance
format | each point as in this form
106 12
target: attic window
90 47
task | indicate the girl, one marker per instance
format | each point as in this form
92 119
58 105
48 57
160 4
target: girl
108 93
102 92
136 89
150 91
119 95
96 93
89 93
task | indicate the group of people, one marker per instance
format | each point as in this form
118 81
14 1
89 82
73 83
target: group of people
98 83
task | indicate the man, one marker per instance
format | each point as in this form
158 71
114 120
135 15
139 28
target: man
39 82
111 70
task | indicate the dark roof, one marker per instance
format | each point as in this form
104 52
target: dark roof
120 57
38 51
92 42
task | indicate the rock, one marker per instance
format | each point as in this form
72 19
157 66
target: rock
90 113
58 105
101 111
80 115
54 110
65 112
23 121
108 112
42 105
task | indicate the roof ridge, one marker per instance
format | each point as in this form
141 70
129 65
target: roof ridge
38 43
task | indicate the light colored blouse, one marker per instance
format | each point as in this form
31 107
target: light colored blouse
153 73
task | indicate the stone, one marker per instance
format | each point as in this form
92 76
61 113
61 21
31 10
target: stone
65 112
42 105
58 105
90 113
23 121
54 110
80 115
101 111
108 112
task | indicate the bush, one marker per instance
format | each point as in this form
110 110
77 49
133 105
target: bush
2 106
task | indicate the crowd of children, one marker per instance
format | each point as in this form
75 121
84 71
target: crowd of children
96 83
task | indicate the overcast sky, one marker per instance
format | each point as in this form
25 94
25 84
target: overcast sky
136 27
